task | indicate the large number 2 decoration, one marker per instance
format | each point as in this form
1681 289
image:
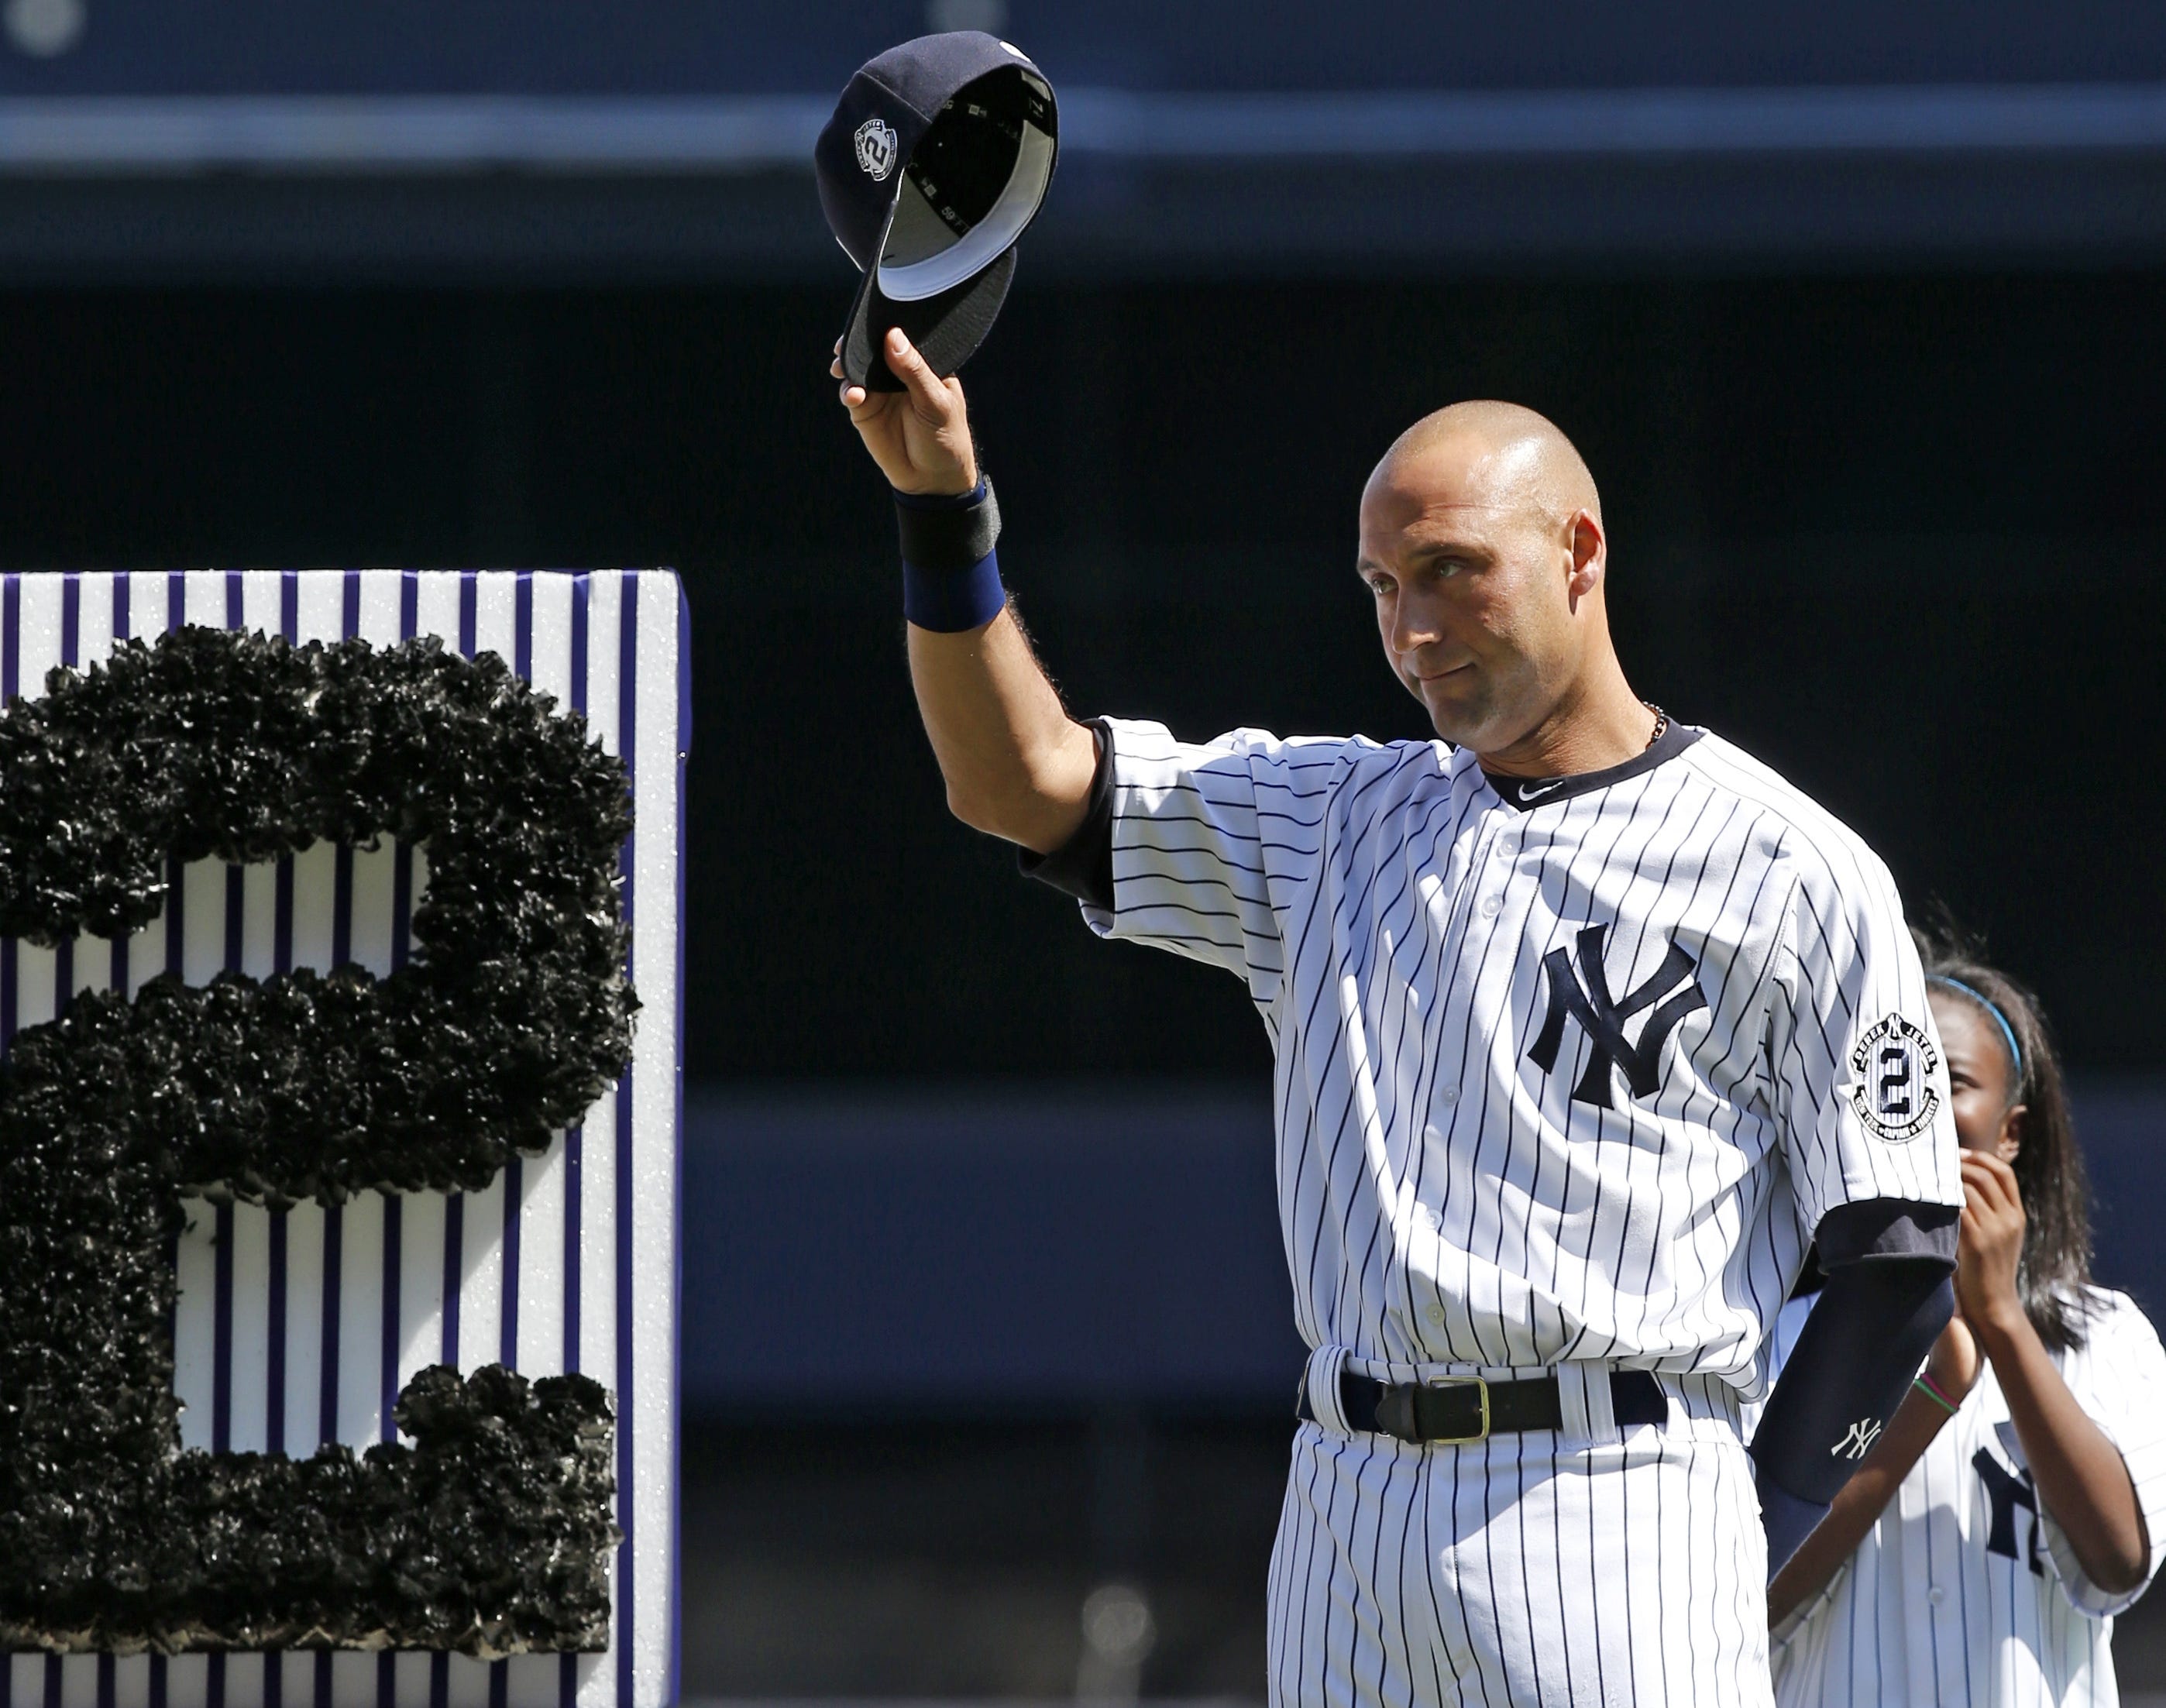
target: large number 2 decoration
491 1535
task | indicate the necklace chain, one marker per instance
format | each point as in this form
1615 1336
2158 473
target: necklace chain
1661 727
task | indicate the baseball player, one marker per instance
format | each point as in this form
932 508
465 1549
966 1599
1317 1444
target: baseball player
1585 1024
2017 1502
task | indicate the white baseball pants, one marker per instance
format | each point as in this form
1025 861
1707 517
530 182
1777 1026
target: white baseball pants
1585 1565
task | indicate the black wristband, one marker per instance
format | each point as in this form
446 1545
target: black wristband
943 533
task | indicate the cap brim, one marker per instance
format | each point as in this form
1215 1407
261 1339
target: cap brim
945 329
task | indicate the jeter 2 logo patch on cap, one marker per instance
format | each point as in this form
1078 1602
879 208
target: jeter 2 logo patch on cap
875 139
936 159
1894 1061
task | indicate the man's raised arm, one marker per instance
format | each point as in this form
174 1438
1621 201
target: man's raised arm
1016 765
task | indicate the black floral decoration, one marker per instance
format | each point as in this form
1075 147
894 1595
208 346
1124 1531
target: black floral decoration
491 1535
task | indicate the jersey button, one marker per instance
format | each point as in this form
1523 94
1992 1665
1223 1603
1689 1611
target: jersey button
1493 905
1436 1315
1448 1095
1936 1594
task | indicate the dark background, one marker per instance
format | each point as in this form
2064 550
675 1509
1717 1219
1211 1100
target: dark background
1896 534
1855 315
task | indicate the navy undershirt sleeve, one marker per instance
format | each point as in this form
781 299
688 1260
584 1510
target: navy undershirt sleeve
1887 1298
1083 866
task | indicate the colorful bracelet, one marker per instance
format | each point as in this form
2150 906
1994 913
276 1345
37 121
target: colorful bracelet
1939 1398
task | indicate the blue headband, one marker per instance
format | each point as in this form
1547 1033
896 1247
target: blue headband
2000 1020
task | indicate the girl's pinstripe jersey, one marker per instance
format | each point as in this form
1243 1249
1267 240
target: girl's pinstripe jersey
1569 1081
1966 1591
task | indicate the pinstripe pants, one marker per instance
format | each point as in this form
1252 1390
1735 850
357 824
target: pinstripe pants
1533 1568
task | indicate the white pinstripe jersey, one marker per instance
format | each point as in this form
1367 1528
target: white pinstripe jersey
1966 1591
1574 1081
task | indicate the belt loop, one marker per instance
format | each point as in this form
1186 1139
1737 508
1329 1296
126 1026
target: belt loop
1585 1417
1321 1379
1601 1427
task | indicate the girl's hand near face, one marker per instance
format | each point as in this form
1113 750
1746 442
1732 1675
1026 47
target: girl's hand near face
1989 1248
2082 1478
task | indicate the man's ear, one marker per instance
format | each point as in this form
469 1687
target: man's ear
2010 1140
1587 554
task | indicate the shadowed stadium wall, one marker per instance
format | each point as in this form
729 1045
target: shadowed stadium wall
1889 532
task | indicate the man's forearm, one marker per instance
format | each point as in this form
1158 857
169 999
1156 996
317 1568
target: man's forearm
1016 765
1857 1505
1877 1320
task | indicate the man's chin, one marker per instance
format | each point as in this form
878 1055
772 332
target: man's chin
1459 721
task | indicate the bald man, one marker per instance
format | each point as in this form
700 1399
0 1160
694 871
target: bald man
1585 1025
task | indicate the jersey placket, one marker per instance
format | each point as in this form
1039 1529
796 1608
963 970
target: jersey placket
1438 906
1471 914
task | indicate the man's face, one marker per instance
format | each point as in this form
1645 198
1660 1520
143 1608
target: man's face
1473 585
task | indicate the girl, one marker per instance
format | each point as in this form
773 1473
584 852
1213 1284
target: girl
2017 1502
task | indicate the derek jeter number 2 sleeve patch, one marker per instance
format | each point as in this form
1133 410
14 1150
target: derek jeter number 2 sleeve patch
1864 1090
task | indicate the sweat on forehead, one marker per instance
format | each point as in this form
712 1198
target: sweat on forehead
1501 453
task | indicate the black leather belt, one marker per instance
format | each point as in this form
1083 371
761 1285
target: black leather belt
1461 1409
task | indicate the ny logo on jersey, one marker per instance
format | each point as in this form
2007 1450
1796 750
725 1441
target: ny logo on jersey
1858 1441
1584 996
2007 1492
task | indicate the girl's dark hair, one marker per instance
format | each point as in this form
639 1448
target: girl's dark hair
2055 1271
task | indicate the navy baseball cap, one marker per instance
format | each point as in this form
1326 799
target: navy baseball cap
937 158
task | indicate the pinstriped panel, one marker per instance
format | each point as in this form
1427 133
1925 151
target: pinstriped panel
1469 1178
1492 1158
1527 1569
